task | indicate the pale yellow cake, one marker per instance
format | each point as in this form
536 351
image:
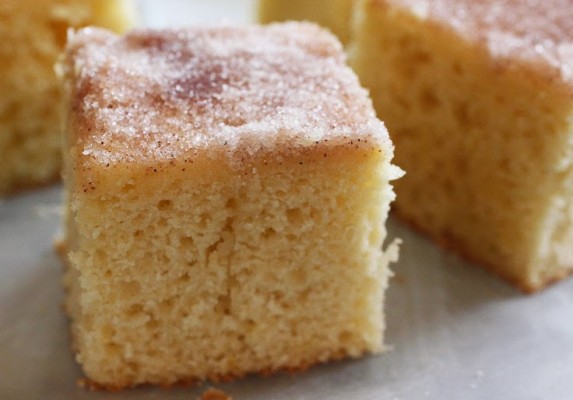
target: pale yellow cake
478 97
227 190
32 35
332 14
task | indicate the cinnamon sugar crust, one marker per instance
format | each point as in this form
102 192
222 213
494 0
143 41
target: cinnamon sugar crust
155 96
536 31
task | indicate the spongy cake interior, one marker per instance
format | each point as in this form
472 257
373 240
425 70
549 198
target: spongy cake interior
228 277
486 141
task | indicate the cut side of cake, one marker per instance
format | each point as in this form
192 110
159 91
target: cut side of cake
332 14
33 34
478 97
227 190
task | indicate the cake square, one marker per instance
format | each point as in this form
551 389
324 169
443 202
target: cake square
33 34
335 15
478 99
227 190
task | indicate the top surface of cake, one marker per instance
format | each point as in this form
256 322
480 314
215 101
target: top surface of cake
540 31
156 95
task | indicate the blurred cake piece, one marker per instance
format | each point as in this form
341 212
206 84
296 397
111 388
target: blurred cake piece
478 98
335 15
33 33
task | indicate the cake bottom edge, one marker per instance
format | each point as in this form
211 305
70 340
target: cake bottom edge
92 385
454 246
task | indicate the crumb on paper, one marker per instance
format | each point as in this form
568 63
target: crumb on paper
215 394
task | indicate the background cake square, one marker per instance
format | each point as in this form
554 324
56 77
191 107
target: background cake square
478 99
227 190
332 14
33 34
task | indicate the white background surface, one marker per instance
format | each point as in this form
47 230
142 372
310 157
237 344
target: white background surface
457 332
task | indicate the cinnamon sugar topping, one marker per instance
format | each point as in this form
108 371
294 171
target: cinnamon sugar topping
156 95
540 31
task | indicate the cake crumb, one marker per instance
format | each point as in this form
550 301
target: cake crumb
215 394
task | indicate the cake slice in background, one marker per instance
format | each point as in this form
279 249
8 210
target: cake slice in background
332 14
478 97
33 33
227 190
